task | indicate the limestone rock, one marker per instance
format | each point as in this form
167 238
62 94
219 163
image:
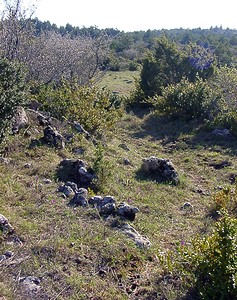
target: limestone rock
5 226
76 171
127 211
20 119
53 138
162 167
131 232
80 198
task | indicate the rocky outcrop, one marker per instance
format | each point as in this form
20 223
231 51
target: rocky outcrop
140 241
53 138
76 171
5 226
162 167
20 120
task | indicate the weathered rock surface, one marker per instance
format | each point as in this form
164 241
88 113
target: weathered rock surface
20 119
80 198
53 138
162 167
31 284
140 241
5 226
76 171
127 211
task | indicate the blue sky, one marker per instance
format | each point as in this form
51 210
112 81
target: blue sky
131 15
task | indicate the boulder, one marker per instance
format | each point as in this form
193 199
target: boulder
53 138
20 120
132 233
77 171
80 198
162 167
5 226
127 211
105 205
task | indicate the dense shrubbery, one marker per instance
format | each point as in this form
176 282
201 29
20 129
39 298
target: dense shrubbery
209 264
13 91
186 100
215 260
96 109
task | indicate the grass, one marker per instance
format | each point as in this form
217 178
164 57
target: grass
75 252
121 82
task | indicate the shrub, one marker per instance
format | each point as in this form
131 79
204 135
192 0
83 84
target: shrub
224 82
187 100
95 109
208 266
13 91
216 260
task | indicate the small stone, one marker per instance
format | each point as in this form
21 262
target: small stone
47 181
187 205
2 258
107 209
127 211
5 226
126 161
9 254
27 165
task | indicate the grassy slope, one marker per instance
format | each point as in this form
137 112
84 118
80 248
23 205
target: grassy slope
76 253
121 82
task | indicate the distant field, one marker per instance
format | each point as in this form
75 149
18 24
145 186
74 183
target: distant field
122 82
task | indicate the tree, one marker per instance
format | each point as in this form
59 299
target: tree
161 67
168 63
13 91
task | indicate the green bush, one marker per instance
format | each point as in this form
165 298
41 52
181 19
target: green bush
13 91
186 100
208 265
216 261
224 82
95 109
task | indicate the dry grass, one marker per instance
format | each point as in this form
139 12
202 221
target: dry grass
74 252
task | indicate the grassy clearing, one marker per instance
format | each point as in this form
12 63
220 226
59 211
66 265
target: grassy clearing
75 252
121 82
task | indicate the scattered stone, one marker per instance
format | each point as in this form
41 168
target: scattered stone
233 178
78 151
20 120
126 161
163 168
140 241
187 206
47 181
80 129
2 257
5 226
220 165
127 211
80 198
53 138
124 147
35 105
9 254
105 206
66 190
107 209
31 283
221 132
5 160
27 165
76 171
43 121
95 201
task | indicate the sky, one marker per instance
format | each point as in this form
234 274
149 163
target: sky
133 15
